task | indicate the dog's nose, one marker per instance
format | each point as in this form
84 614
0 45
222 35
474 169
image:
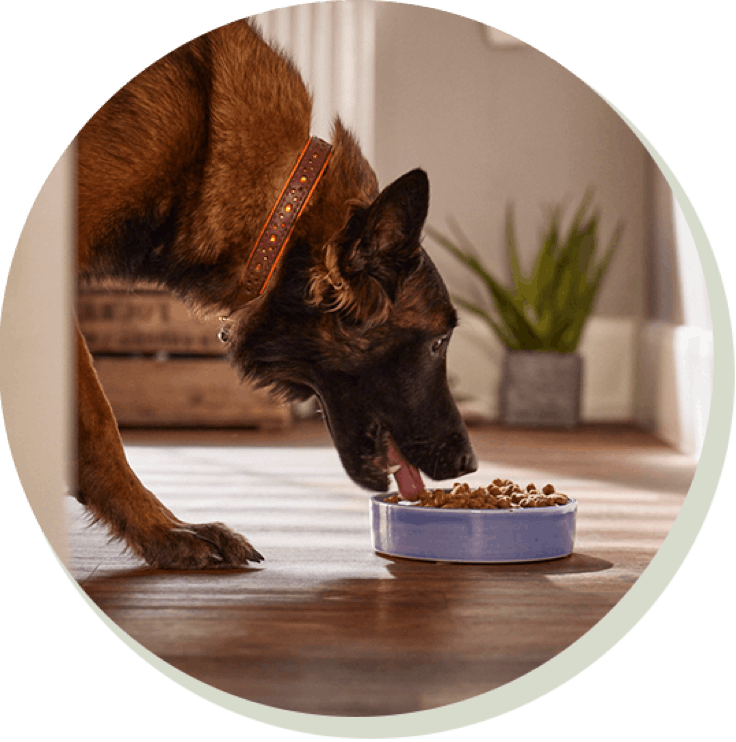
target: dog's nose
467 463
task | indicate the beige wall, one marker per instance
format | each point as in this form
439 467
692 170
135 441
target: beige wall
35 354
497 124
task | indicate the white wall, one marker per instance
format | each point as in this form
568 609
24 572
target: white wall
675 349
333 45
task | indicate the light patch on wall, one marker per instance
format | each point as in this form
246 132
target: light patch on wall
502 39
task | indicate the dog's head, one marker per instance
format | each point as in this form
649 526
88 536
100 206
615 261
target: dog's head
366 327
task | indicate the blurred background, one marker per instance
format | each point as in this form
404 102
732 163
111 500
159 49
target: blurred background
493 122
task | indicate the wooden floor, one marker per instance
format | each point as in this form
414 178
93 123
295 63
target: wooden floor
325 625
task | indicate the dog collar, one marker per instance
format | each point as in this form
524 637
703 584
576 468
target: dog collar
295 194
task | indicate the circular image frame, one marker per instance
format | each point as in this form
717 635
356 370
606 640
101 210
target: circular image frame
610 629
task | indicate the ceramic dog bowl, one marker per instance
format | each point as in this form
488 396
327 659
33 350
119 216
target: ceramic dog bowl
479 536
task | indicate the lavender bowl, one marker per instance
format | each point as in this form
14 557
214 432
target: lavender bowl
475 536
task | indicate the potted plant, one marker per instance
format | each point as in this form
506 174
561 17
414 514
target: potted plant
540 319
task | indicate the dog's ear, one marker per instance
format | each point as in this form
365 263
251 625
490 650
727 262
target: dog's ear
363 266
396 218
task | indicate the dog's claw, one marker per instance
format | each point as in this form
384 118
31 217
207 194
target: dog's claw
199 546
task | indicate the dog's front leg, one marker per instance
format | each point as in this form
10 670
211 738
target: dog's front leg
114 495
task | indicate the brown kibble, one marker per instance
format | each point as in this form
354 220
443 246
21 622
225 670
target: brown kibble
441 497
503 494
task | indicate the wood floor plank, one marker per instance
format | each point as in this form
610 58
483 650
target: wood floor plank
327 626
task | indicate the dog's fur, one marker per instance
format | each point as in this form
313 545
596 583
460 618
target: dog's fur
177 173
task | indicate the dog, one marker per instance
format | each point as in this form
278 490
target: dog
178 177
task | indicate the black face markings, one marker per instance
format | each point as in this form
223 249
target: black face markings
389 376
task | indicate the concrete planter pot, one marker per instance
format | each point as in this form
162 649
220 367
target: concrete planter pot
540 388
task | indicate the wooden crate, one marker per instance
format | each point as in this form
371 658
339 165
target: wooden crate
185 392
144 322
161 366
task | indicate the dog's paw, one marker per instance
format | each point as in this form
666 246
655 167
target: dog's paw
199 546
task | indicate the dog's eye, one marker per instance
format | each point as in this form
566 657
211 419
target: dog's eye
440 344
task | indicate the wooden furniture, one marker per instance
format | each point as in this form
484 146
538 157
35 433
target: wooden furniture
162 366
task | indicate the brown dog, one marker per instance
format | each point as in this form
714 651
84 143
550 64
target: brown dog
178 173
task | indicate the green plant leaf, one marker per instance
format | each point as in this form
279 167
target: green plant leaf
577 219
509 307
571 262
525 289
587 246
547 310
568 335
502 333
542 280
585 300
465 244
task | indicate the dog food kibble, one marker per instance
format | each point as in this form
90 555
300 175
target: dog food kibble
501 494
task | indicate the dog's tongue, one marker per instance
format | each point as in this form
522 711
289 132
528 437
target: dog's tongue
408 479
